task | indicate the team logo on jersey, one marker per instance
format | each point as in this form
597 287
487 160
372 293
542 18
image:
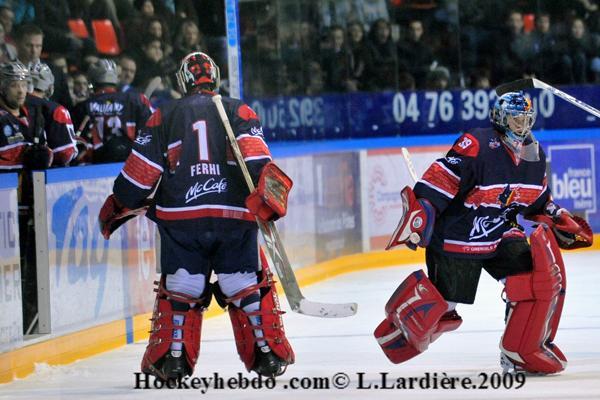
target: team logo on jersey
8 131
201 189
507 196
453 160
143 140
256 131
494 143
483 226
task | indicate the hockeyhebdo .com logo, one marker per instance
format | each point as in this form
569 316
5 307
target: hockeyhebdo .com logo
573 176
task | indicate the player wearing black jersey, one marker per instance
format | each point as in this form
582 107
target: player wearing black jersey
205 223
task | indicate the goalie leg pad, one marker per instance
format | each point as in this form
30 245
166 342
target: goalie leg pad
416 315
533 299
271 321
398 349
161 333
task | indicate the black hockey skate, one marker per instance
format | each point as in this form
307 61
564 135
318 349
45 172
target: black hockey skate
173 366
268 364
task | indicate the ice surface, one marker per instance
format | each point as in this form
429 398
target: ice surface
325 347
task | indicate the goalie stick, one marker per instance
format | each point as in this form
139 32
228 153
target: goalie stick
532 83
275 248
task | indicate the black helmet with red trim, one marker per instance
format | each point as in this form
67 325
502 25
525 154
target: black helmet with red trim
198 72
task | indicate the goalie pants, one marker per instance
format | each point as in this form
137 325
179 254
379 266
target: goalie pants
203 251
457 278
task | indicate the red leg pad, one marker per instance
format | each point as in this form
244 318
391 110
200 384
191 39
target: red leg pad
533 299
413 315
161 334
394 343
416 307
272 323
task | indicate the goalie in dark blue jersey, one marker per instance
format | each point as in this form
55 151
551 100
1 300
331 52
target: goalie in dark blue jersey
206 224
464 211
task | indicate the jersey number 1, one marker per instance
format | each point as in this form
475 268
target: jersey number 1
200 128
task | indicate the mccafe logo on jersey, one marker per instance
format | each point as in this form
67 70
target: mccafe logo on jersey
201 189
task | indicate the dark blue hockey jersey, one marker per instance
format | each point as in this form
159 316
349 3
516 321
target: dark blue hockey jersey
114 113
185 145
478 190
58 127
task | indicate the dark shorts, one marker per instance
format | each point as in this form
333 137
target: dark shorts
201 252
457 278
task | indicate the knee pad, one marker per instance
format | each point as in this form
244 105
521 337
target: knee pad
416 315
270 315
161 333
535 303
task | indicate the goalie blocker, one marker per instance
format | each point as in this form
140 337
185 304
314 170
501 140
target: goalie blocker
268 201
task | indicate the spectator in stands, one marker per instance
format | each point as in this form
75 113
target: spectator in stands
59 61
127 69
8 52
29 41
52 17
383 53
189 39
337 63
414 55
135 27
315 79
156 28
23 10
480 79
438 78
79 89
361 60
7 19
544 55
158 70
513 49
406 82
578 49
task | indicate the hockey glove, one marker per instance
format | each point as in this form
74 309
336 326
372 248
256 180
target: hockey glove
416 225
571 231
37 156
268 202
113 214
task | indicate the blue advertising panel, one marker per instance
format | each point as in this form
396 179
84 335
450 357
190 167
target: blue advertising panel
572 178
93 280
367 115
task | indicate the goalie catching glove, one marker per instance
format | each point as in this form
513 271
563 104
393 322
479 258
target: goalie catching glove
268 202
416 224
113 214
571 231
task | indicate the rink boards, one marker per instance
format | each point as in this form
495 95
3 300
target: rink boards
343 202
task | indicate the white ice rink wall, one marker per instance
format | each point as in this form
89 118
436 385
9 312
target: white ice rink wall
342 203
11 312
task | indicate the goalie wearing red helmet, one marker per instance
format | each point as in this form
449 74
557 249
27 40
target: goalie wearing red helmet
207 223
464 211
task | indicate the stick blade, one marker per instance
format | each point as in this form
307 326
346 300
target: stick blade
515 86
325 310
